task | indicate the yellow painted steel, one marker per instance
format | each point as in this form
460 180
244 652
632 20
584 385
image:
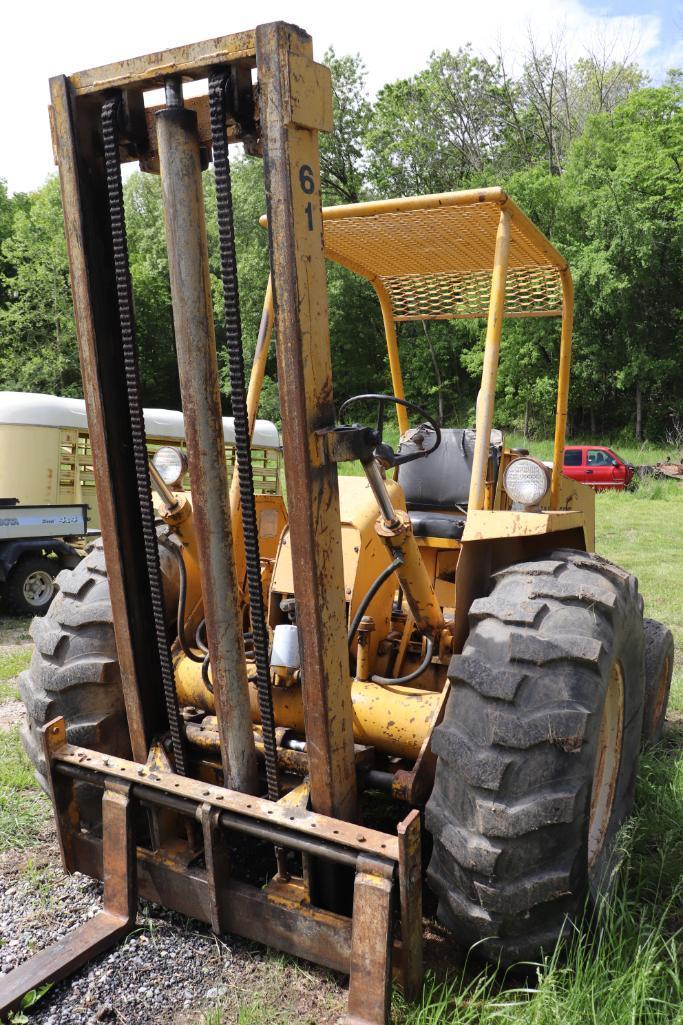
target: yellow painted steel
258 368
562 387
433 254
364 557
396 720
413 576
392 349
181 522
291 114
432 258
487 392
495 524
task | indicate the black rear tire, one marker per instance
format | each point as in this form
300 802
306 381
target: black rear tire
659 667
518 753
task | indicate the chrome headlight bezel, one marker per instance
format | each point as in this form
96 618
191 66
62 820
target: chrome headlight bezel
526 482
171 465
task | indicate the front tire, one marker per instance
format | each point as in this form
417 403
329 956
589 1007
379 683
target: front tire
537 753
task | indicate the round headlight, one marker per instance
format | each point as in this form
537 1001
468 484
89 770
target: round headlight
170 464
526 481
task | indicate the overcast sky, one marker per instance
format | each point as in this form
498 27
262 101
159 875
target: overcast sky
40 39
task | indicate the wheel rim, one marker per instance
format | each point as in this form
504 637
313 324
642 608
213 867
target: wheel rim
661 693
38 587
607 764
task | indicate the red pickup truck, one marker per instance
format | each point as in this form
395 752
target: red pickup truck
598 466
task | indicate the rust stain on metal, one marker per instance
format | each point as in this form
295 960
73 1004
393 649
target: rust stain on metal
198 371
371 945
306 399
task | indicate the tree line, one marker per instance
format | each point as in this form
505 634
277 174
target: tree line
589 149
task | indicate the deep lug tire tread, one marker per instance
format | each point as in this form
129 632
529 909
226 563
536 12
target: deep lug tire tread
516 751
74 669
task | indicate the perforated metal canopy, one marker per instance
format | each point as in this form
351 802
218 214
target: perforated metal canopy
433 255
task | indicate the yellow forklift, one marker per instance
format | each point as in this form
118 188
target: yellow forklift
224 685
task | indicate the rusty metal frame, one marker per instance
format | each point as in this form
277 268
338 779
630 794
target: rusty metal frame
295 104
91 266
291 115
195 338
387 869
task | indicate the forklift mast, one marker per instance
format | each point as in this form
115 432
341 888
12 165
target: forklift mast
265 91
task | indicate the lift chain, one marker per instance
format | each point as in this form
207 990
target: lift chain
110 133
218 84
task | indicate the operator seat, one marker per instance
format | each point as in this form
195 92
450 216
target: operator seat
436 486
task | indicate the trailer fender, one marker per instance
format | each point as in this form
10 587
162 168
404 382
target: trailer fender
12 551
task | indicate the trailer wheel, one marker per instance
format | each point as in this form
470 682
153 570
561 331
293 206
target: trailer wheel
659 667
74 670
31 586
537 754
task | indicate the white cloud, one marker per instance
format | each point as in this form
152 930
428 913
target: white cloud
395 39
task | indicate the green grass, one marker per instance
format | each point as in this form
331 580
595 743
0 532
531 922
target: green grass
8 692
11 664
23 808
627 971
642 531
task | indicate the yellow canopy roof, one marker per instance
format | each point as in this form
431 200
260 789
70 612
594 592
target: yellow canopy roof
434 254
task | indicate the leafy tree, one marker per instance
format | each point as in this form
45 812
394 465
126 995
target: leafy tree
342 153
546 107
439 130
6 218
587 149
625 190
37 338
151 289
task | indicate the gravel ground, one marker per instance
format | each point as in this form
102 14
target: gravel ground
11 714
170 970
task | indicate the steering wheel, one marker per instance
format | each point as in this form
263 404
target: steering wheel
383 452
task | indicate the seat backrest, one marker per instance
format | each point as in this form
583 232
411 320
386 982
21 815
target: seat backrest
442 480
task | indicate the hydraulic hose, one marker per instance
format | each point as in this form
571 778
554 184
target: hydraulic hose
182 597
386 680
370 594
206 659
